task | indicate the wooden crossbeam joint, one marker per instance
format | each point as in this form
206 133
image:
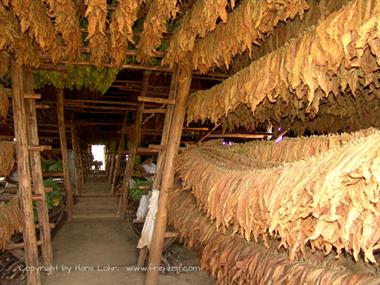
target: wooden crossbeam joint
42 106
40 147
156 100
34 96
21 245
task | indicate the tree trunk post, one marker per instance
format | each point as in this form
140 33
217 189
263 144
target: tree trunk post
119 155
65 159
25 187
184 82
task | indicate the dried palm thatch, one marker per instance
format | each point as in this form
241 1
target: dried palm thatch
325 194
123 17
96 13
339 53
67 24
154 27
197 22
7 158
4 102
248 24
233 260
11 221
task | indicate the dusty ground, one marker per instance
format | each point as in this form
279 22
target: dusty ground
99 248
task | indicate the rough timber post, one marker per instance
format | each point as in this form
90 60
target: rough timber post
25 187
65 159
112 165
119 155
161 156
184 82
38 182
75 147
123 202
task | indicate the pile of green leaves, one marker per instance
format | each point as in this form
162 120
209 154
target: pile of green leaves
53 198
77 77
51 165
136 192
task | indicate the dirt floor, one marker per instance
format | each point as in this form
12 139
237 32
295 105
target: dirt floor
99 248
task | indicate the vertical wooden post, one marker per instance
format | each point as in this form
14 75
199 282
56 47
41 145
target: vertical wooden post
123 202
108 160
161 156
25 187
119 155
184 82
112 165
74 143
80 156
38 182
65 159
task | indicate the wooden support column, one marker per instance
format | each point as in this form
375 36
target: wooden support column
25 187
112 165
75 147
161 156
119 154
38 182
184 82
108 161
65 159
123 202
80 156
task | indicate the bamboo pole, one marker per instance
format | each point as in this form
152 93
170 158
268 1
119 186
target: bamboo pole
164 142
184 82
123 201
74 143
119 155
25 187
65 159
38 182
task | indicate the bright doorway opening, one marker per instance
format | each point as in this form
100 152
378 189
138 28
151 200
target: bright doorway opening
98 151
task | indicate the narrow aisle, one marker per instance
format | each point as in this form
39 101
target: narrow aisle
98 248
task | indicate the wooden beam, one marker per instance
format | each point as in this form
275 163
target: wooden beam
119 156
154 111
184 82
25 187
65 159
156 100
123 202
112 165
75 147
239 136
35 163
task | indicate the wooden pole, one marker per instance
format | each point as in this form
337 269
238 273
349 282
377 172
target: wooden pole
25 187
74 143
38 182
184 82
80 156
65 159
112 165
119 155
164 141
123 202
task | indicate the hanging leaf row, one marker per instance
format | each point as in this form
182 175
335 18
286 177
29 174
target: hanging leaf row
248 24
96 14
123 18
320 191
155 25
342 52
198 22
66 22
232 260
